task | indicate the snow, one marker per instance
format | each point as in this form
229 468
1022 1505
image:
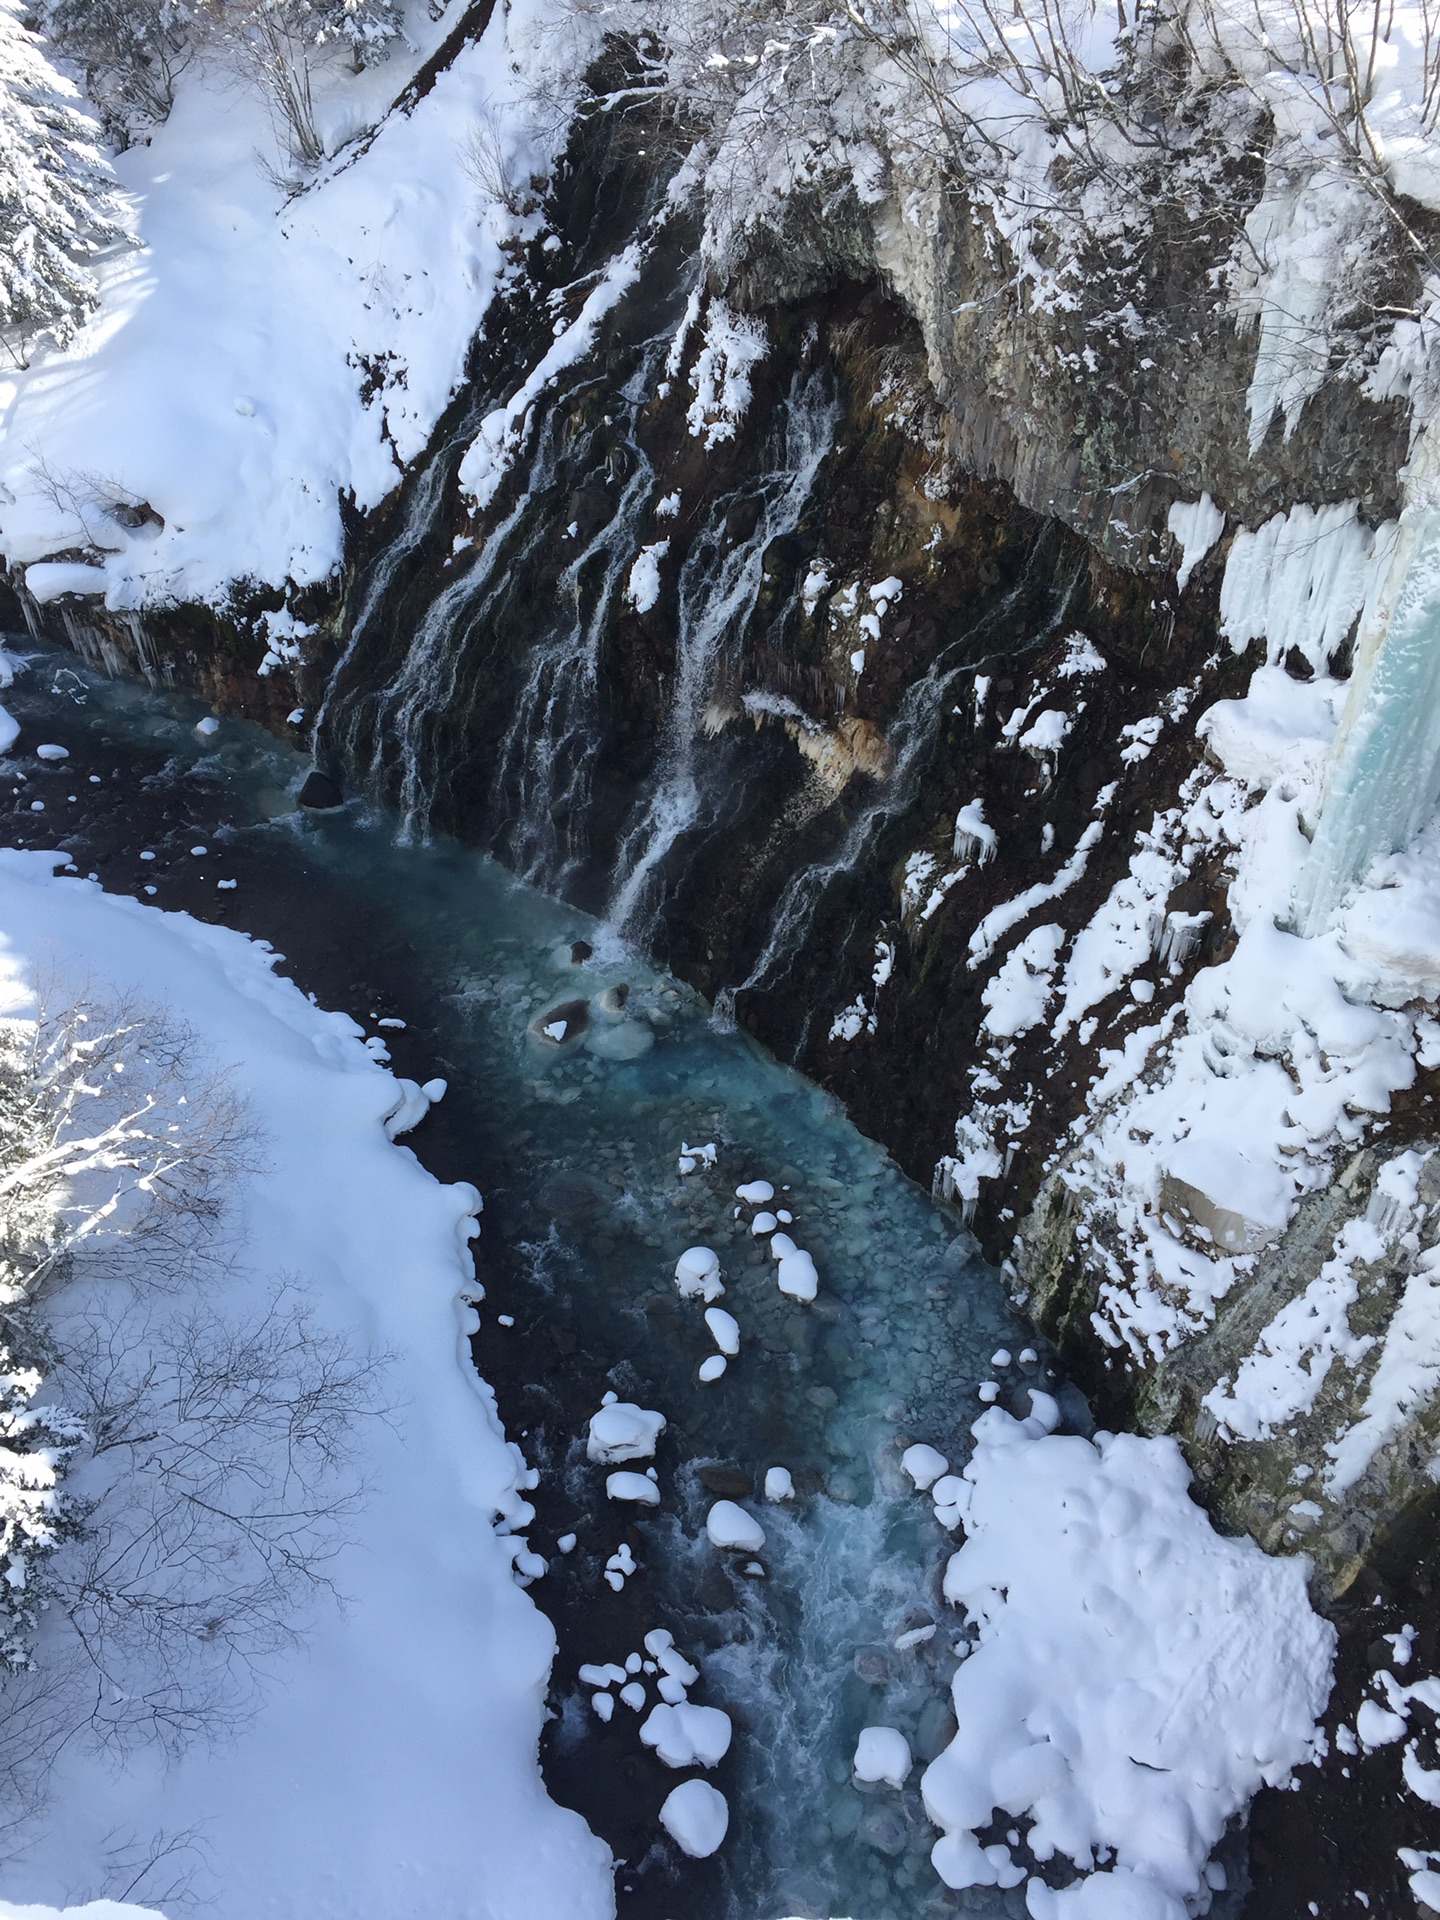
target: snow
712 1369
1195 526
221 380
1136 1676
642 590
9 730
405 1731
724 1330
696 1817
697 1274
488 458
47 580
882 1753
755 1193
686 1735
1204 1130
779 1484
728 1525
1376 1726
974 840
1015 997
733 345
623 1431
92 1910
998 922
796 1276
1283 1374
924 1465
635 1488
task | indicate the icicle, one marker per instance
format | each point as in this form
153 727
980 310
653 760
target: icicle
1383 779
1178 937
973 839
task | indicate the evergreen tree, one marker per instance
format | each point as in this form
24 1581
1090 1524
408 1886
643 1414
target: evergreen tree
58 200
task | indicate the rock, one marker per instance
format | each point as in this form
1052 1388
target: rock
883 1829
935 1729
320 793
726 1481
563 1025
874 1666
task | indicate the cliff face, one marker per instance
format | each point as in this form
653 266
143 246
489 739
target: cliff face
927 805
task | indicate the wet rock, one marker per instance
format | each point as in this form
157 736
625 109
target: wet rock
728 1482
320 793
875 1666
562 1026
572 1196
934 1730
883 1829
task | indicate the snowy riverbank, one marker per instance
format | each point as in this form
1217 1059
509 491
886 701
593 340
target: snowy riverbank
392 1765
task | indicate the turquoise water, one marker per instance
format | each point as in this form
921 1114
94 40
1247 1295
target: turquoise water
575 1146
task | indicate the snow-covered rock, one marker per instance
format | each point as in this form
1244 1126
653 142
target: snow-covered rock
697 1274
728 1525
623 1431
636 1488
882 1753
924 1465
686 1735
696 1817
1137 1677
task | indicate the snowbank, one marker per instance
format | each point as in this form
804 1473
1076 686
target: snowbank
261 353
1137 1677
392 1768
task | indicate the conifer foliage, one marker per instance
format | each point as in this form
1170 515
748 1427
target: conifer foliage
58 200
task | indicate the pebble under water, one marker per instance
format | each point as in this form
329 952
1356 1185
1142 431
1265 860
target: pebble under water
575 1137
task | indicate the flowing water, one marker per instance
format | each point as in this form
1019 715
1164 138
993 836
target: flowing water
576 1145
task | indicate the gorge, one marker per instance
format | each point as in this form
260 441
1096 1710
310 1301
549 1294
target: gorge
954 610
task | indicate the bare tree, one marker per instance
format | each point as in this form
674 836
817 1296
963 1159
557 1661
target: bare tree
175 1479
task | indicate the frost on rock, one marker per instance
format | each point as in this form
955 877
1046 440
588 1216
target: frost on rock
1136 1679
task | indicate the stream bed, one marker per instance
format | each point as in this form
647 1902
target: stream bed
578 1076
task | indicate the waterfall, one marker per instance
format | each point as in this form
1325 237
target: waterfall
420 513
1383 778
923 709
718 588
541 787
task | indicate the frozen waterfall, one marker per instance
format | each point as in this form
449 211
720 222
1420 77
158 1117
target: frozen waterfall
1383 781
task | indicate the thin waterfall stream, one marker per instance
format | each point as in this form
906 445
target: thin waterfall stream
579 1142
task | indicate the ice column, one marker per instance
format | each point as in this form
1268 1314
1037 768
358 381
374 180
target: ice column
1383 780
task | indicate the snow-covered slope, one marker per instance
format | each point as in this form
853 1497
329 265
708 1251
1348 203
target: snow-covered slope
392 1766
265 349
